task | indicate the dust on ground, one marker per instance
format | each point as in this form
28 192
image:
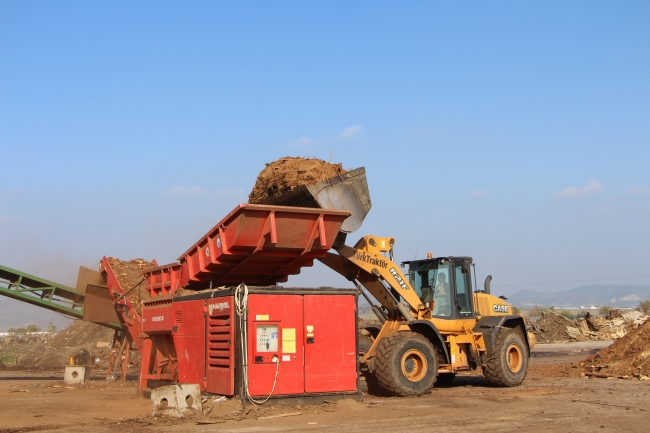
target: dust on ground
232 410
129 275
289 172
540 404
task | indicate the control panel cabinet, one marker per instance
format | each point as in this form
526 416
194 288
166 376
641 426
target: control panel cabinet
310 339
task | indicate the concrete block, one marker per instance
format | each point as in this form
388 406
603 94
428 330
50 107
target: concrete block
76 375
176 400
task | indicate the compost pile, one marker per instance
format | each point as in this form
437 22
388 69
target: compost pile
627 357
57 351
289 172
554 328
129 275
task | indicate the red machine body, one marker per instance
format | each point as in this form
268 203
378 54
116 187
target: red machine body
308 335
254 244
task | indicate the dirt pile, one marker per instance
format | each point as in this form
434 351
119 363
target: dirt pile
129 275
289 172
627 357
550 327
554 328
57 351
13 346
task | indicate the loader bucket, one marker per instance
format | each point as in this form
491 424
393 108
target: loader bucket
347 191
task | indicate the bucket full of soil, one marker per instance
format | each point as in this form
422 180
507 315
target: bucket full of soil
314 183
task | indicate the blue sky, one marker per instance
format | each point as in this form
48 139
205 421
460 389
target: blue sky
513 132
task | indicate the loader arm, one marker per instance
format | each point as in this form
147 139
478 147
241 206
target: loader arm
366 264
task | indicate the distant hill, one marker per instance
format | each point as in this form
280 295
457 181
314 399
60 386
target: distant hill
622 296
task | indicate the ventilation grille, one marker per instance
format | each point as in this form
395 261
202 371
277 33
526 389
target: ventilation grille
178 317
219 342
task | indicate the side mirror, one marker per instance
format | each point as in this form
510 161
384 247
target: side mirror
486 285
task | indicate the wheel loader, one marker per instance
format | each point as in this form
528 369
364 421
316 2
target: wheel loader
433 322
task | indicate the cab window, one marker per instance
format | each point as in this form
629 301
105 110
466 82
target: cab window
463 291
431 282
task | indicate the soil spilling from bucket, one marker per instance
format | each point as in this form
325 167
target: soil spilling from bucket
289 172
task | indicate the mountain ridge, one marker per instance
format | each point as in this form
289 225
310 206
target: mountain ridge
615 295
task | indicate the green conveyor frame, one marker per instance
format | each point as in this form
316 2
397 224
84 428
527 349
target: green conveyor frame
41 292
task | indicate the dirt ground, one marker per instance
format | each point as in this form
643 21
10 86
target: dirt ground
547 401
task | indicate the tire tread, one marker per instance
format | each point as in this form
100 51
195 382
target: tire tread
493 370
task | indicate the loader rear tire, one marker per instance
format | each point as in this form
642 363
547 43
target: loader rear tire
374 388
407 364
509 365
365 343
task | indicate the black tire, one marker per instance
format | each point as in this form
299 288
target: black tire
407 364
445 379
374 388
365 343
509 365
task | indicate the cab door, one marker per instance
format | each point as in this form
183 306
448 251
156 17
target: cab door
463 289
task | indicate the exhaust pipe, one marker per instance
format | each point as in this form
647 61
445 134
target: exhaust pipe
486 285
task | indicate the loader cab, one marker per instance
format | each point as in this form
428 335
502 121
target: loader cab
445 280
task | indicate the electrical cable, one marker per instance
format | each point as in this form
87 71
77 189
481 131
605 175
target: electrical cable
241 308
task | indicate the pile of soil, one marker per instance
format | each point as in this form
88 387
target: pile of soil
551 327
12 347
554 328
129 275
289 172
57 351
628 356
614 314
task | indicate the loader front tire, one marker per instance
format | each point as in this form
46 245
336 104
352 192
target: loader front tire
407 364
509 365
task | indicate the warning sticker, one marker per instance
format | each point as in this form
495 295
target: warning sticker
262 317
288 340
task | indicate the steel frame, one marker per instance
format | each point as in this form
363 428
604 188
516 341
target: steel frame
41 292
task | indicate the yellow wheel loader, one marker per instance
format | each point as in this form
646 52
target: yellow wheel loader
433 323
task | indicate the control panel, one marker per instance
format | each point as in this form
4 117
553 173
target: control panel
267 342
